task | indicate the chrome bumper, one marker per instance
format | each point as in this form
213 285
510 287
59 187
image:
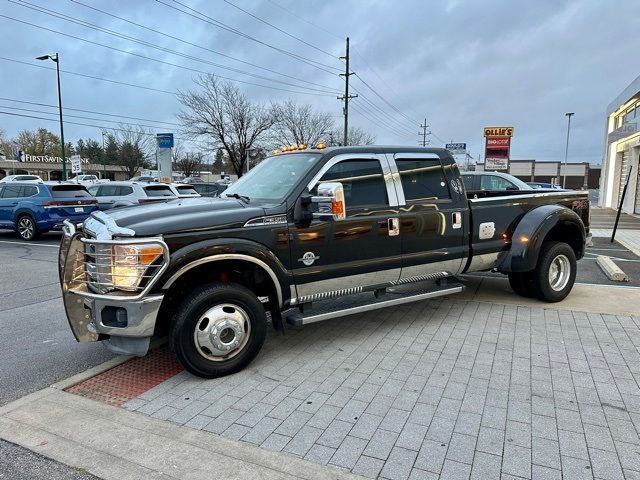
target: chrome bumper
87 311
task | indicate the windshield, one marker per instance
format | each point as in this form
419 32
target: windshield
273 178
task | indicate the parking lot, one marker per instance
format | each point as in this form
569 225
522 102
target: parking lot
448 388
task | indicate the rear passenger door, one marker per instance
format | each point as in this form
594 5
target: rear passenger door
106 196
433 216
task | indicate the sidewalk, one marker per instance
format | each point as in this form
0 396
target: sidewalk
450 388
112 443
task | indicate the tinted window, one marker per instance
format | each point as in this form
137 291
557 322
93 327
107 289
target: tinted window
69 191
29 191
422 179
108 191
468 181
11 191
186 190
158 191
362 180
495 183
125 190
26 177
93 190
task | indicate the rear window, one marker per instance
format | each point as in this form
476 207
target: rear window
468 181
422 179
21 178
186 190
158 191
29 191
69 191
125 190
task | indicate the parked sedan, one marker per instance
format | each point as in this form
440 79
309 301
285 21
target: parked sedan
122 194
34 208
209 189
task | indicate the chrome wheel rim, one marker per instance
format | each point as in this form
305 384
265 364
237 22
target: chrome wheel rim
25 227
559 272
222 332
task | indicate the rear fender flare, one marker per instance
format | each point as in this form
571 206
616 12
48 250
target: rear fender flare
531 232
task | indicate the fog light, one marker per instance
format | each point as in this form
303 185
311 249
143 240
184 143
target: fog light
114 317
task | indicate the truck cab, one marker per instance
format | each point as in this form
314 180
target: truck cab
307 235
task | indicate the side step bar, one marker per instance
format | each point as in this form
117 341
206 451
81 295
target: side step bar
299 319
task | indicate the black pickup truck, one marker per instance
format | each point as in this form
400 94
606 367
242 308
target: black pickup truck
307 235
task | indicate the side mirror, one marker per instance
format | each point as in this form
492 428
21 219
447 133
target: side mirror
330 200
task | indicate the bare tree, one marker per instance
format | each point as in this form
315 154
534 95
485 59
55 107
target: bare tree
357 136
190 163
134 148
6 148
296 124
220 112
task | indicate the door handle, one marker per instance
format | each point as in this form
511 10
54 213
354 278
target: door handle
393 224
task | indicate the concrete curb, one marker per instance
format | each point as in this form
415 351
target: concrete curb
610 269
113 443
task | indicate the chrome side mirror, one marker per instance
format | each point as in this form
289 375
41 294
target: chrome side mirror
330 200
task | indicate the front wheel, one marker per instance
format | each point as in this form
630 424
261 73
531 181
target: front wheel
218 330
555 273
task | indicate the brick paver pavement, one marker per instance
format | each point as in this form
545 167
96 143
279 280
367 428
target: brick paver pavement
444 388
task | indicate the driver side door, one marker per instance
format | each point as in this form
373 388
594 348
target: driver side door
331 258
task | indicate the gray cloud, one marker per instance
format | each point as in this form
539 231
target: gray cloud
462 64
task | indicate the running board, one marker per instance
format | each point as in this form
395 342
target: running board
299 319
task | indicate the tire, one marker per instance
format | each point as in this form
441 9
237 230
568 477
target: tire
555 257
26 227
225 343
522 284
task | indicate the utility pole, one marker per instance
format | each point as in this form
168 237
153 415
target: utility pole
424 133
346 97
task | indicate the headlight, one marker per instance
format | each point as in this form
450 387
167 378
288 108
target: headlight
130 263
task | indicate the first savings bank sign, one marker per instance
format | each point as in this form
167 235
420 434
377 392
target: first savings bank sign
27 157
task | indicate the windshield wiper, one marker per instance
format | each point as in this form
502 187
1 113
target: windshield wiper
244 198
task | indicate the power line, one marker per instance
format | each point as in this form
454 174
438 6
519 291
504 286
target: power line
193 44
305 20
89 111
219 24
280 30
88 76
162 61
376 121
53 13
78 116
393 107
383 113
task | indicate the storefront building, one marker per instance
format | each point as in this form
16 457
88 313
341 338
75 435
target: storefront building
622 151
50 168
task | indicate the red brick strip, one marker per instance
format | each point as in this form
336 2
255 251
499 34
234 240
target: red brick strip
126 381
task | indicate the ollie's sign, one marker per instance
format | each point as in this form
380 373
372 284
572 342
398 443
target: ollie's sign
497 147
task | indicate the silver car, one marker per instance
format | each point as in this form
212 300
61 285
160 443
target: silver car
123 194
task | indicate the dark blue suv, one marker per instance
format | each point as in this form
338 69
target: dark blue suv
34 208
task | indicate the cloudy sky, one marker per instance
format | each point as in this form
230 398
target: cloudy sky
461 64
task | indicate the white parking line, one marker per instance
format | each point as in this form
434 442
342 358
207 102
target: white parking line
30 244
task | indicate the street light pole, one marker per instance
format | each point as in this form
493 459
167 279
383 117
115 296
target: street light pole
104 158
56 59
566 150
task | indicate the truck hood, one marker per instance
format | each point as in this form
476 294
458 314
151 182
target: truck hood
183 215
